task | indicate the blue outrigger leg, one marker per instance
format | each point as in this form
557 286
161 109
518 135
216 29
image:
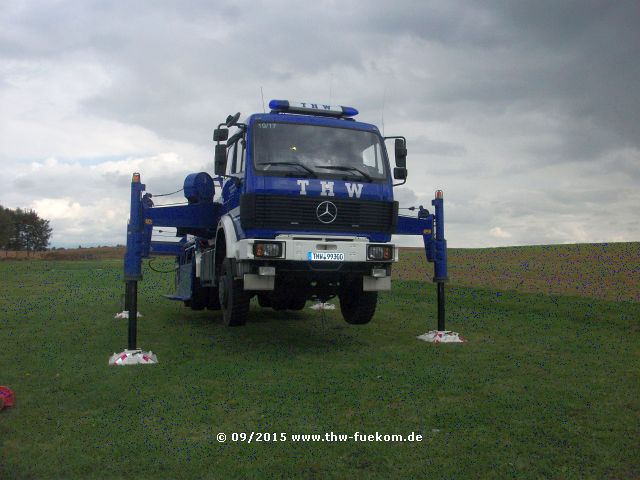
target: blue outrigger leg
195 218
431 227
133 258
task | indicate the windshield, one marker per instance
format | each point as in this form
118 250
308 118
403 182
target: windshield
313 151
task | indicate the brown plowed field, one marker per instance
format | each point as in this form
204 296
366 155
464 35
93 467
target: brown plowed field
609 270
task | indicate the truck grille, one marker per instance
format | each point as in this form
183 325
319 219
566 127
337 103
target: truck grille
299 213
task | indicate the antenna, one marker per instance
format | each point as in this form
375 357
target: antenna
384 97
331 89
262 96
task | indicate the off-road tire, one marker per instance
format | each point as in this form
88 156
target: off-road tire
357 307
297 303
199 296
234 301
214 299
264 300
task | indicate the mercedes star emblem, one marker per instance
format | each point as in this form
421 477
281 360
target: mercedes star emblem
327 212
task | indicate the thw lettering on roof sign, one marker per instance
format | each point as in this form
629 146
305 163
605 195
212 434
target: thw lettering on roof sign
315 106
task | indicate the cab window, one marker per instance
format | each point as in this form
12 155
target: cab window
236 155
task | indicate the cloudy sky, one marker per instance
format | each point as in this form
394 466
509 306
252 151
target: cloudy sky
526 114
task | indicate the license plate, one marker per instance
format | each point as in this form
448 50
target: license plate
325 256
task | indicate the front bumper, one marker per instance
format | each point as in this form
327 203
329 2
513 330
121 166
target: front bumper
295 258
298 247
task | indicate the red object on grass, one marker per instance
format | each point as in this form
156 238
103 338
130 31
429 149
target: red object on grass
7 396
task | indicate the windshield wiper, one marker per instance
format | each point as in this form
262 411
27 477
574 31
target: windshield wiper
346 169
297 164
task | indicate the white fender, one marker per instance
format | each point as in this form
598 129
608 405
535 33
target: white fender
226 224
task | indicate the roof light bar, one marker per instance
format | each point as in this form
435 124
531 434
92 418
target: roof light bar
281 106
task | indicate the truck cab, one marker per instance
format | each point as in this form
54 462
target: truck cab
306 212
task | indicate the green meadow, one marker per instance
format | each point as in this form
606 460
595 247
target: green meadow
548 384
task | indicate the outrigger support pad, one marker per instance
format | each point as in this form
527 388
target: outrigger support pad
133 357
439 336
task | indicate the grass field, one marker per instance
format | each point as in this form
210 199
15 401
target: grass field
547 386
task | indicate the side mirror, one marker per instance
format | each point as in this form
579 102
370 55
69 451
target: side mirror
400 173
220 134
232 119
401 154
220 159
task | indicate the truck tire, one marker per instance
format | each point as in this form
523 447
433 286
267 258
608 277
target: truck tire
358 307
199 296
214 299
297 303
264 300
234 301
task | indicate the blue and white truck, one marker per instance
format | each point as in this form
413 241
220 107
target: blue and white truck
304 211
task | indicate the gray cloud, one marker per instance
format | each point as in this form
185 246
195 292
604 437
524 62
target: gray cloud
517 109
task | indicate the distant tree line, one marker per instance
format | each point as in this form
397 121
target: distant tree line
23 230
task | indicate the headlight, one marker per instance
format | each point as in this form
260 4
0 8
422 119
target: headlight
380 252
267 249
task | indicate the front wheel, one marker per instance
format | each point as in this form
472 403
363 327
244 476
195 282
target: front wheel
214 299
264 300
357 306
199 295
234 301
297 303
